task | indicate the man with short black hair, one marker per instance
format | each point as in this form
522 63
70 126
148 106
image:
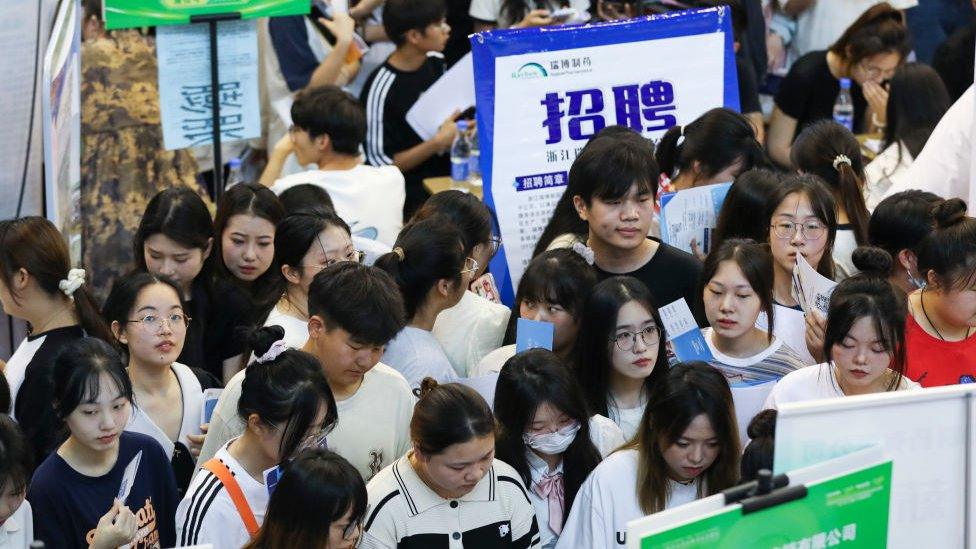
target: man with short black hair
419 30
354 312
329 126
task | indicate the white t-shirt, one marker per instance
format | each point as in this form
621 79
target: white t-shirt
770 364
605 435
814 383
944 164
492 362
607 501
844 245
416 354
17 532
140 422
820 25
368 198
296 329
17 367
470 330
790 327
373 429
208 515
491 10
882 172
628 419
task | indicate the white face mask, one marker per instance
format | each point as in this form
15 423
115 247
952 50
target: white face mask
552 443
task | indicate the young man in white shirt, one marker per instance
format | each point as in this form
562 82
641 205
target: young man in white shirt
329 125
354 312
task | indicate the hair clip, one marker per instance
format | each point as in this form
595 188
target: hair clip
841 159
399 252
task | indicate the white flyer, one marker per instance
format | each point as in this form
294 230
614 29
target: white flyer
452 92
811 289
129 477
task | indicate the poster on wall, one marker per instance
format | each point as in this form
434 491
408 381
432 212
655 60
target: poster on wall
121 14
61 115
542 93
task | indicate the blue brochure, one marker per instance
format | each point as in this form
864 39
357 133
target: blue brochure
687 341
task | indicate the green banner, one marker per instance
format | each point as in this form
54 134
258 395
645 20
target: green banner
122 14
850 512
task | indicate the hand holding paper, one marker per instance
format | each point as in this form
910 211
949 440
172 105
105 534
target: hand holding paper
811 289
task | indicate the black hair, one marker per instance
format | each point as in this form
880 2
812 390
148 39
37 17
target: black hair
639 167
306 198
5 399
917 100
34 244
756 263
363 301
424 253
950 250
316 490
737 218
465 211
178 213
125 291
403 16
594 343
817 150
869 294
286 392
77 370
953 60
716 140
880 29
297 233
902 221
822 204
328 110
759 452
560 277
16 461
448 414
526 381
253 200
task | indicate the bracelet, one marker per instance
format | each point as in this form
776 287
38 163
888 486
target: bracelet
874 120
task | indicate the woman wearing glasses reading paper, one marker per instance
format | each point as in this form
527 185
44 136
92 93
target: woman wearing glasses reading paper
306 243
802 224
147 318
430 268
287 405
866 55
620 354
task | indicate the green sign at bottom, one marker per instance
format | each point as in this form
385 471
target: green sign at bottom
850 512
121 14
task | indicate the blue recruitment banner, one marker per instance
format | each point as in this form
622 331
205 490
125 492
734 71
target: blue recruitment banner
541 93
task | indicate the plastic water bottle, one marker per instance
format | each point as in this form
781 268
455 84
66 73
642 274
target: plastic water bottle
233 173
844 106
460 156
475 161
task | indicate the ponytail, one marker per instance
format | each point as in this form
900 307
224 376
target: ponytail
851 191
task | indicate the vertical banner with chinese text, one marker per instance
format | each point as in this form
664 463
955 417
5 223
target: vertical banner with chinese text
542 93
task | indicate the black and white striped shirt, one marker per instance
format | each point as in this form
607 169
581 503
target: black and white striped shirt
207 514
405 513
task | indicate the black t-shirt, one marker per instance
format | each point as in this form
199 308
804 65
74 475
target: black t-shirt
33 407
68 504
217 313
670 274
809 91
748 85
387 96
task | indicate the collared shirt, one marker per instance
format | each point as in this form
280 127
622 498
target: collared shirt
406 513
17 532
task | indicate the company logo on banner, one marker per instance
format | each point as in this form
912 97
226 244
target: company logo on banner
543 93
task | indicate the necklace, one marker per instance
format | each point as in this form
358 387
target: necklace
921 302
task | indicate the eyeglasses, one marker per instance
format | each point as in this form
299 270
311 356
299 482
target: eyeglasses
625 341
811 230
875 72
355 255
470 266
154 323
496 244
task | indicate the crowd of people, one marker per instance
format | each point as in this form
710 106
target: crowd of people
369 396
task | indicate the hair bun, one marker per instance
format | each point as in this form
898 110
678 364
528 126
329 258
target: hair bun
427 386
872 261
763 425
949 213
261 339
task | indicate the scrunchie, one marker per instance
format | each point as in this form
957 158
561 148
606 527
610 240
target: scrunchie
841 159
584 251
76 277
272 353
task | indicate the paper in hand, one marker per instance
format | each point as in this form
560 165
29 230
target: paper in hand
454 91
210 398
533 334
686 339
814 288
129 477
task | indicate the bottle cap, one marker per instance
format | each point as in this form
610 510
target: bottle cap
845 83
234 162
462 125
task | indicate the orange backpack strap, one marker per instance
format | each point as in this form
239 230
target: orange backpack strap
225 477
